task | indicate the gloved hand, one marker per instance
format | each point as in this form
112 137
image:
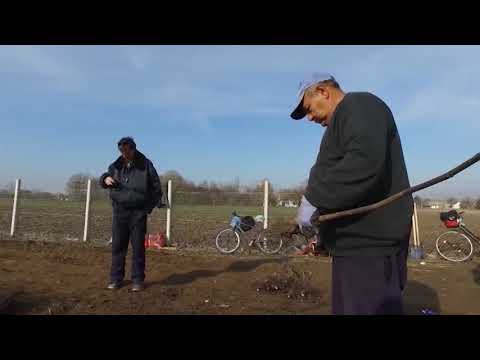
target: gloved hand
304 216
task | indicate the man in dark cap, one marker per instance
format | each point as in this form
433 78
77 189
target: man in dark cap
135 190
360 162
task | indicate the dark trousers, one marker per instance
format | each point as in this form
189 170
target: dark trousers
369 285
128 226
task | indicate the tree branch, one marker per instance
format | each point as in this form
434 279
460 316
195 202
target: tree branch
368 208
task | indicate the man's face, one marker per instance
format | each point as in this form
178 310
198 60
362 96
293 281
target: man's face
318 105
127 151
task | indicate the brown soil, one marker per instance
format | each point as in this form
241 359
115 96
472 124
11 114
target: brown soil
54 278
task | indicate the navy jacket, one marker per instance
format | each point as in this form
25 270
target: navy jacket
138 186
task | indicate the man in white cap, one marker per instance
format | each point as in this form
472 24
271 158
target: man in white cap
359 163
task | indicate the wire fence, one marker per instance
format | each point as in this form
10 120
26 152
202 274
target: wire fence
196 218
6 204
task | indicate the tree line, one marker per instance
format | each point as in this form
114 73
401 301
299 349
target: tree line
187 192
184 191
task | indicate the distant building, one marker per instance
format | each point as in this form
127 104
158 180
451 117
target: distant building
441 205
61 196
436 204
287 204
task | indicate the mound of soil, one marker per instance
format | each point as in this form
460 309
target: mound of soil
289 282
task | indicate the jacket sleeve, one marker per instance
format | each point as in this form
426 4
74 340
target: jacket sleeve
155 187
357 175
104 176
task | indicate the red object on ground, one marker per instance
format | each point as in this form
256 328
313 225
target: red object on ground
308 249
451 223
155 241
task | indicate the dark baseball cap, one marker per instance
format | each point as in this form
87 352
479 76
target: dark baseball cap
307 82
127 141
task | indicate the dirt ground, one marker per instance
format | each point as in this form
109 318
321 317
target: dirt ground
52 278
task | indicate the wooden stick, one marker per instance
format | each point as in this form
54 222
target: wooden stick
368 208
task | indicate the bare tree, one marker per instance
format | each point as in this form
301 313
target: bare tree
76 186
10 187
236 184
451 201
467 203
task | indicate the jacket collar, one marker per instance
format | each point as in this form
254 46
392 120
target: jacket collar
139 162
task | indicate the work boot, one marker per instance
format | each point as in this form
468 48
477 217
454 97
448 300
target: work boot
114 285
138 286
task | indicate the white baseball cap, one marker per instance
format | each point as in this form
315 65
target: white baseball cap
309 81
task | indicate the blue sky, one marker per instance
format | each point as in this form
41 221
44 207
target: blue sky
217 112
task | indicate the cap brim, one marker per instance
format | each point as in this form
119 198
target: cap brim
299 111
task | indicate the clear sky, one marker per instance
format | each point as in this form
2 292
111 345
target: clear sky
217 112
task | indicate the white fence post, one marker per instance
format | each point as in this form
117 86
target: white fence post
15 205
265 206
87 209
169 211
414 232
416 224
416 250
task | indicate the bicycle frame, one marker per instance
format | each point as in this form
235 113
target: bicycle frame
235 223
463 228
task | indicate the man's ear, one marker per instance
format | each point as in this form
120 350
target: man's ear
322 90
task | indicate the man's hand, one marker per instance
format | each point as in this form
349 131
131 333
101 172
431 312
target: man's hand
109 181
304 215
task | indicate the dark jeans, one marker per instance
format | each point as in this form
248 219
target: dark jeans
369 285
128 226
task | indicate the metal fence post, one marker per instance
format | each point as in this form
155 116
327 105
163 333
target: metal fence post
265 206
419 244
416 251
414 231
169 211
87 209
15 205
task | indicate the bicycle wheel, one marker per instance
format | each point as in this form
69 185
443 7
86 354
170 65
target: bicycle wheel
454 246
268 243
227 241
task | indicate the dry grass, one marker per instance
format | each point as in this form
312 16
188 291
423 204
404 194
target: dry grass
193 227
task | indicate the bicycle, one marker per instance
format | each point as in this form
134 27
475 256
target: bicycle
456 244
228 240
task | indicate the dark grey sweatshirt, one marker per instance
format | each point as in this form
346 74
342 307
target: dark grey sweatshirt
359 163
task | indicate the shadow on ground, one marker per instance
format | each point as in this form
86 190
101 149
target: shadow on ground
19 303
237 266
476 275
418 296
